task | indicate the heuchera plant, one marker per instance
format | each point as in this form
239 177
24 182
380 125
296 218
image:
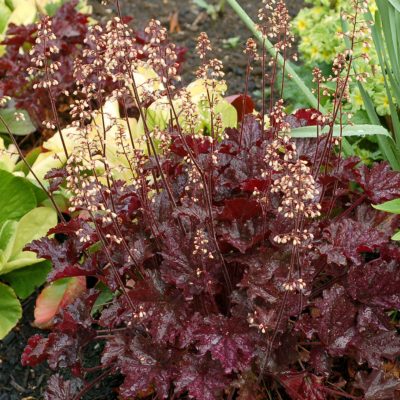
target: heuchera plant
242 264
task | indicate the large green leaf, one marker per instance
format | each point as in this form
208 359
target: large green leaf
16 197
34 225
24 281
351 130
10 310
24 12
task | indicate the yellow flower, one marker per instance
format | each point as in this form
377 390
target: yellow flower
301 24
314 51
381 101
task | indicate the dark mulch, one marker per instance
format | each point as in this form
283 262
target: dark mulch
19 383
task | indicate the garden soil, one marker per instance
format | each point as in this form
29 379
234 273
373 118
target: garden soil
186 21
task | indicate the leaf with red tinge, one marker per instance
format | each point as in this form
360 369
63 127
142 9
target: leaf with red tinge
243 104
250 185
35 351
144 366
55 297
239 209
307 116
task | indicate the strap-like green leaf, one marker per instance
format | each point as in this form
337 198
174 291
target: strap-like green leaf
346 131
395 4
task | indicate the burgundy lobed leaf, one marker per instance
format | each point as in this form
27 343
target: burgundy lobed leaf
61 389
201 377
303 386
239 208
347 239
377 386
380 183
376 340
336 323
228 340
143 366
375 283
64 257
307 116
56 177
243 104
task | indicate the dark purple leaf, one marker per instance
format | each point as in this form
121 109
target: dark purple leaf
336 324
228 340
61 389
376 283
377 386
303 386
346 239
380 183
201 377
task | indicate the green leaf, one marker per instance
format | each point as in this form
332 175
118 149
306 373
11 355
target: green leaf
104 297
228 114
354 130
19 128
10 4
386 145
392 206
24 12
10 310
39 193
24 281
396 236
8 233
32 226
51 8
30 158
5 13
16 197
395 4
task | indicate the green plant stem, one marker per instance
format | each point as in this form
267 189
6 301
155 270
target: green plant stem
291 73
